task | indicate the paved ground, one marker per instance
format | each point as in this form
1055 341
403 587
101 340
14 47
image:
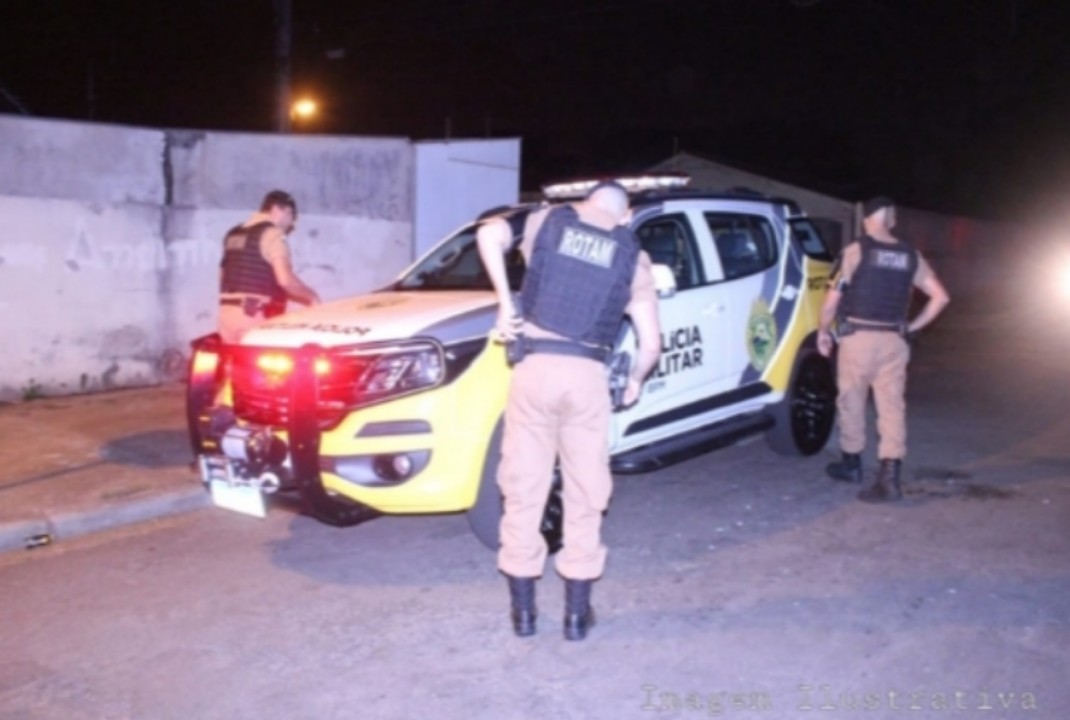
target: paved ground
83 464
740 584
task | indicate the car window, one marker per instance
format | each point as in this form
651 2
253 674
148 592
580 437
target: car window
810 239
668 241
456 265
746 244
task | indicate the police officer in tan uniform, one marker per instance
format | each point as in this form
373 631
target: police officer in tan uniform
585 271
257 277
870 299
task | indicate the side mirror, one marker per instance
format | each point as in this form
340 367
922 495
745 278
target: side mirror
664 280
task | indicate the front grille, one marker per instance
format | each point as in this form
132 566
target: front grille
258 397
263 398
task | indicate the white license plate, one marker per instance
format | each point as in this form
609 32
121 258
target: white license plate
244 499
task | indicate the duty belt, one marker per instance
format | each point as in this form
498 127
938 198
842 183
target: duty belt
565 347
846 327
255 306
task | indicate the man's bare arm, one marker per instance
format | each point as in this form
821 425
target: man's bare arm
938 300
494 237
828 315
647 326
292 284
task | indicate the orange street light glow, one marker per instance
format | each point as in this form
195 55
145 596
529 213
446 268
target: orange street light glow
304 108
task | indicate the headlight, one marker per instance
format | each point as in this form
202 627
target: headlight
403 371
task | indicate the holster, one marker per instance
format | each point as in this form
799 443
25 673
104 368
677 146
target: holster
516 350
620 364
274 307
252 307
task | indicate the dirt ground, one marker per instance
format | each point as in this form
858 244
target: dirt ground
740 584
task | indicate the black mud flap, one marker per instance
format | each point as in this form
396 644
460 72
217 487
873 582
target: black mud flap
302 425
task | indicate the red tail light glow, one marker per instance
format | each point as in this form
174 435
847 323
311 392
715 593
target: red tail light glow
281 364
275 363
205 363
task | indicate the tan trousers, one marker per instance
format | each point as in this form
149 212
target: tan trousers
558 407
877 360
233 323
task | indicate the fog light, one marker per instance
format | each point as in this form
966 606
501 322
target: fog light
393 467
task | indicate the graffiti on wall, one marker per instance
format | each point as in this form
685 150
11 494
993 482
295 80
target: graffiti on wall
89 251
85 251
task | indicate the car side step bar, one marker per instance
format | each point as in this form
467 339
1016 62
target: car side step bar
697 442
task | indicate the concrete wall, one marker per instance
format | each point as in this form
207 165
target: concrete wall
457 180
355 212
110 244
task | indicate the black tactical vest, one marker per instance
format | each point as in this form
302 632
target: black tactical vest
244 268
880 288
578 282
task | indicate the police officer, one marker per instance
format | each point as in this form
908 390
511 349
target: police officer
870 300
256 275
585 272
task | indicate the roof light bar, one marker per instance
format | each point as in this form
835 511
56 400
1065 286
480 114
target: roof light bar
632 183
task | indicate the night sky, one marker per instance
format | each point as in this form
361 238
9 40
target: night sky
953 105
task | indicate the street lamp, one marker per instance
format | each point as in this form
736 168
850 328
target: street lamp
304 109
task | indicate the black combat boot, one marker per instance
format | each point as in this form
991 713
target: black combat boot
848 469
522 595
579 616
886 487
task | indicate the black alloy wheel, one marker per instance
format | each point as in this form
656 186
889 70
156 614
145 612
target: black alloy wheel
804 418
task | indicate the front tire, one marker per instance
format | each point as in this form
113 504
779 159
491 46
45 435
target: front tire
804 418
485 516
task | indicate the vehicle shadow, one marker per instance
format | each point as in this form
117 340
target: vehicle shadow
154 449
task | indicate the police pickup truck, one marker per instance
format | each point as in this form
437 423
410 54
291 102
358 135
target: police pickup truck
392 402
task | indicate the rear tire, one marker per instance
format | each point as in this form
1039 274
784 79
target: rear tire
804 418
485 516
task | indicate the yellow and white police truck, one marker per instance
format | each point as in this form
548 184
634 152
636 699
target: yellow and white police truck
392 402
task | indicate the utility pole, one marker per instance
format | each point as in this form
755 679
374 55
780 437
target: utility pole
283 43
91 91
13 100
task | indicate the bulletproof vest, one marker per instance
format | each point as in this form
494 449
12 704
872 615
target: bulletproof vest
880 288
244 269
578 282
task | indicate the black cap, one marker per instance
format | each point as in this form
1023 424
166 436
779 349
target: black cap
278 198
876 203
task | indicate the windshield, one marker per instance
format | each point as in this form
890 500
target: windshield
455 265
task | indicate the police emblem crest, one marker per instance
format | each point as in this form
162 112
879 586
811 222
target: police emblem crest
761 335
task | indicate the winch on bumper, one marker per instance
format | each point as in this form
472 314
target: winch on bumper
241 462
253 463
407 453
